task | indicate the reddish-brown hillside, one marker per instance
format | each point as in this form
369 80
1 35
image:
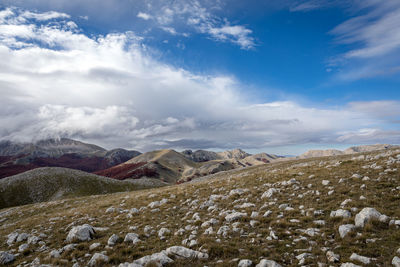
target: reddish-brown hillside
129 170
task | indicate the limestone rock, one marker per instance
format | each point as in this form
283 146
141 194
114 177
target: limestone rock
182 252
332 257
132 238
345 229
6 257
80 233
98 259
112 241
341 213
365 215
396 261
245 263
362 259
235 216
268 263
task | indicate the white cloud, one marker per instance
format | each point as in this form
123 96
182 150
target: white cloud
171 15
236 34
374 35
144 16
107 89
44 16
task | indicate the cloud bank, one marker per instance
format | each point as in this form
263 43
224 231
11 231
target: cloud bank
57 81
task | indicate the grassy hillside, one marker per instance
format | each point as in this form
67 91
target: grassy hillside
284 215
45 184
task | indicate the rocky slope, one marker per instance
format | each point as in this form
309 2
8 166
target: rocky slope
204 155
19 157
45 184
329 211
350 150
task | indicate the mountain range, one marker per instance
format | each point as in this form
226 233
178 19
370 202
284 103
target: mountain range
16 157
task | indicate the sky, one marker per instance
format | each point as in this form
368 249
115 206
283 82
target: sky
265 76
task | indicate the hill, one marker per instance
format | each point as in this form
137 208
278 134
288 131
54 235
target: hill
350 150
172 167
326 211
45 184
19 157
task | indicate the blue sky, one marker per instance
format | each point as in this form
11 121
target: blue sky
276 76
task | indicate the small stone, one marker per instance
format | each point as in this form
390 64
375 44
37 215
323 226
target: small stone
245 263
98 259
112 241
235 216
80 233
396 261
345 229
268 263
6 257
94 246
349 264
132 238
362 259
332 257
23 247
365 215
340 213
325 182
55 254
182 252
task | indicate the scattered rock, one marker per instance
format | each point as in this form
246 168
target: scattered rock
268 263
182 252
55 254
325 182
80 233
345 229
163 232
341 213
365 215
113 240
94 246
395 261
269 193
6 257
98 259
132 238
362 259
23 248
332 257
235 216
349 264
158 259
245 263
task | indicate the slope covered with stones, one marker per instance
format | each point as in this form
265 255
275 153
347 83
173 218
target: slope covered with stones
332 211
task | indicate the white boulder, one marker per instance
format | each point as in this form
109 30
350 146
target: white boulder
132 238
182 252
245 263
345 229
268 263
80 233
235 216
362 259
340 213
98 259
365 215
6 257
